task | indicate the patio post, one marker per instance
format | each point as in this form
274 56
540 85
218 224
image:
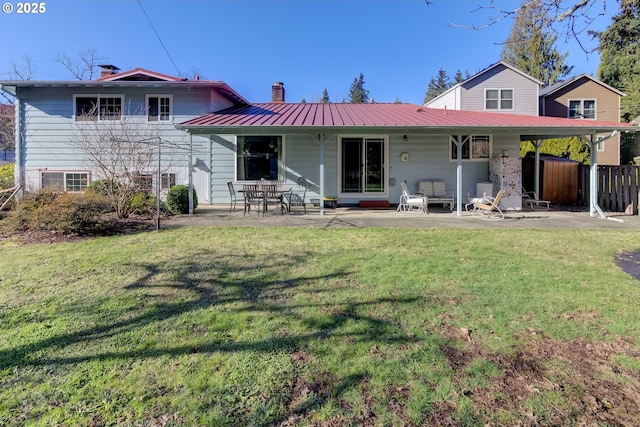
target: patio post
457 139
321 139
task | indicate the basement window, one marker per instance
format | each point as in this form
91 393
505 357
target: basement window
65 181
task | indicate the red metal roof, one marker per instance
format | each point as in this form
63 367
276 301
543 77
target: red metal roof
402 116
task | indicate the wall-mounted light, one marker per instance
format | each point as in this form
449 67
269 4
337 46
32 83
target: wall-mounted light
405 138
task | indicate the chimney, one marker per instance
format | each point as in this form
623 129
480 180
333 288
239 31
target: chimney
108 70
277 92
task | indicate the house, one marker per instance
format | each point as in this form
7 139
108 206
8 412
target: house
585 98
53 115
7 120
353 152
499 88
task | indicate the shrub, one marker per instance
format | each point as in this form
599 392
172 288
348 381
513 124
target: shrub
6 176
67 213
178 199
144 204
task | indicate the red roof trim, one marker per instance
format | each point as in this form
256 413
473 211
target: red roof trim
135 71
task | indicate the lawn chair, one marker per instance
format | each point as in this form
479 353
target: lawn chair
272 197
294 199
531 198
410 202
489 208
252 196
233 195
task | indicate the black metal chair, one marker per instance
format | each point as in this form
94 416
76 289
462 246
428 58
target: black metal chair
233 195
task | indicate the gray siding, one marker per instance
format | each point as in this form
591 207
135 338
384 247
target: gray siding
501 77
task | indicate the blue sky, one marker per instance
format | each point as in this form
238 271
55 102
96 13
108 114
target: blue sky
309 45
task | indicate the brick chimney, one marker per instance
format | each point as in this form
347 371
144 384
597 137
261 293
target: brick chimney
277 92
108 70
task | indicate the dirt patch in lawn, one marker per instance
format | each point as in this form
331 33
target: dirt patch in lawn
552 382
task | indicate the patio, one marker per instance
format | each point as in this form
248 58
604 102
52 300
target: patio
346 217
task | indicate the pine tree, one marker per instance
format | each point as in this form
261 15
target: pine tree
619 67
459 78
325 97
437 85
530 46
357 93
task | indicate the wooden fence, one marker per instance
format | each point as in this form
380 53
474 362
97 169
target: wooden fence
618 187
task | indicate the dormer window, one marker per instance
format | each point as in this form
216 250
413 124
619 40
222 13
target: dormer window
498 99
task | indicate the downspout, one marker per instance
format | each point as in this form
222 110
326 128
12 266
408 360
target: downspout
19 132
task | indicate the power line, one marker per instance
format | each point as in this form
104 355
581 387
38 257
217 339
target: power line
158 36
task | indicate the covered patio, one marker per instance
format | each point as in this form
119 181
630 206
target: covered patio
437 131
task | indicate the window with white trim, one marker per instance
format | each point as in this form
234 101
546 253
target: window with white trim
168 180
65 181
498 99
97 107
582 109
159 108
259 157
474 147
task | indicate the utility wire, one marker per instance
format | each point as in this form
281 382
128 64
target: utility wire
158 36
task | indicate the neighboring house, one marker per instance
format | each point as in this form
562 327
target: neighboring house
53 113
499 88
585 98
354 152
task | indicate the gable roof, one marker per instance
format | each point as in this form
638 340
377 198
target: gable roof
389 118
560 85
484 71
139 74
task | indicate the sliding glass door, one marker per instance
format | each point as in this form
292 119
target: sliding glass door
362 165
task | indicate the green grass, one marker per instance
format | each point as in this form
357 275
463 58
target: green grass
245 326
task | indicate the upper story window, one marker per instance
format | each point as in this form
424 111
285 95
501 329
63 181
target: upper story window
498 99
159 108
582 109
474 147
97 107
259 157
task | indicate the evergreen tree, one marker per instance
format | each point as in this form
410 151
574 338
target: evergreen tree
459 78
325 97
357 93
437 85
530 46
619 67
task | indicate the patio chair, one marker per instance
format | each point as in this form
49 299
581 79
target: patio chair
410 202
233 195
252 196
294 199
531 198
272 197
489 208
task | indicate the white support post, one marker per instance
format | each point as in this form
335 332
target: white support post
190 170
457 139
321 138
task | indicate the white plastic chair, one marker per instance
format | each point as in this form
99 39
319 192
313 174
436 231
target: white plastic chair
410 202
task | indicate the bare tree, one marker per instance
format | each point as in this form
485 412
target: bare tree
22 70
85 66
573 17
124 154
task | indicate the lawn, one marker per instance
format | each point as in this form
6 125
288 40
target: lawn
285 326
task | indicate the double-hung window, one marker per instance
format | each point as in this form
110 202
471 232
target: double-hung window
498 99
65 181
582 109
474 147
259 157
97 107
159 108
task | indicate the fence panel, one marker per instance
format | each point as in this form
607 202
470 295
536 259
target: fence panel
618 187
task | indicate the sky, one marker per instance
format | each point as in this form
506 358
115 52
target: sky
309 45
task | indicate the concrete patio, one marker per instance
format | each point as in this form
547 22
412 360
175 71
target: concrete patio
352 217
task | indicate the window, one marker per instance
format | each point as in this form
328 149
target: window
582 109
65 181
474 147
259 157
158 108
144 182
168 180
498 99
97 107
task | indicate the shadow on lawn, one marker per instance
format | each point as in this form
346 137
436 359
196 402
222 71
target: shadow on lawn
256 285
